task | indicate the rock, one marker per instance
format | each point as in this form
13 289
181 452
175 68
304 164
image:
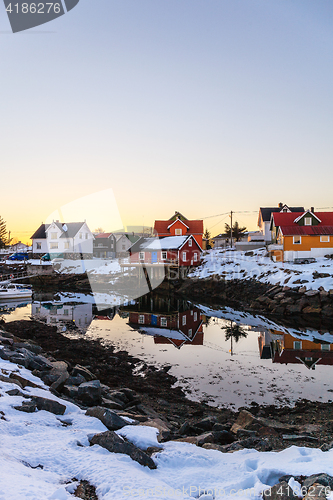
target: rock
60 382
327 446
164 431
244 419
5 341
280 491
71 391
10 381
112 405
129 393
24 382
80 370
245 433
133 416
77 380
118 396
184 429
90 392
317 492
323 479
27 407
86 491
223 437
221 427
311 310
16 392
327 311
41 363
49 405
206 424
110 419
311 293
294 309
208 437
115 444
302 289
36 349
299 437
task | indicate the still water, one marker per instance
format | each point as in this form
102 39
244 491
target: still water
224 357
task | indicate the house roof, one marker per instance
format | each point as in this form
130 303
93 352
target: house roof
289 227
167 243
266 212
174 222
178 215
133 237
103 235
72 228
194 226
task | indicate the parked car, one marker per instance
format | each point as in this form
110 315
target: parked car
46 257
19 256
304 260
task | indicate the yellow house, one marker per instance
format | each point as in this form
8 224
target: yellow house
301 235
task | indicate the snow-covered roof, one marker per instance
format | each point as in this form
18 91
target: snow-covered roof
168 243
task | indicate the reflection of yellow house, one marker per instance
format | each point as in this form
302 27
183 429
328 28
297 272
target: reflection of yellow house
284 348
301 235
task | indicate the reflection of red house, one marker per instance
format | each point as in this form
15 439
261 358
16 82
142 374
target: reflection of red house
176 328
178 225
287 349
177 250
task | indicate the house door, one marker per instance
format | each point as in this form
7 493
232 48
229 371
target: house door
153 257
153 319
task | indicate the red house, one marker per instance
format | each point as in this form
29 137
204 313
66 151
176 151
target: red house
178 225
174 250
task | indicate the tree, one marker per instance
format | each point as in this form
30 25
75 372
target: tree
3 233
234 332
237 232
207 237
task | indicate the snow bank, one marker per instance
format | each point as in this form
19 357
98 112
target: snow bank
232 265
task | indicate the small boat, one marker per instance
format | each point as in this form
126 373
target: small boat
16 291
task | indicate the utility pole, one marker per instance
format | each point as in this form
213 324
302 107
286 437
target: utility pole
231 242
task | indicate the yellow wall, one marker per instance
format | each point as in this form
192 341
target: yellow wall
307 242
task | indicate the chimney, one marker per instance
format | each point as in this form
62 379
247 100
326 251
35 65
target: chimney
312 209
280 205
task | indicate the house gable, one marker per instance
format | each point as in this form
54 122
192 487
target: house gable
307 219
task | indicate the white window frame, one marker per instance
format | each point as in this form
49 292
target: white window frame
195 257
298 345
38 245
307 221
184 320
190 332
66 245
163 322
164 255
297 242
54 236
184 256
195 317
54 246
141 256
141 319
80 236
178 232
322 239
190 242
87 236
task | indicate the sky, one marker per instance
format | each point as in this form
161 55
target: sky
200 106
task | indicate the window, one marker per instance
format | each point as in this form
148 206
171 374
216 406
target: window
324 239
184 320
54 236
297 240
184 256
189 243
325 347
298 345
141 319
141 255
195 257
53 246
66 312
123 246
164 255
190 333
307 221
66 245
80 236
86 236
178 232
164 322
38 246
195 317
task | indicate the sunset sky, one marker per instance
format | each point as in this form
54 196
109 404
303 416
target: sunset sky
201 106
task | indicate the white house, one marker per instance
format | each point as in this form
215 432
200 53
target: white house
264 218
58 237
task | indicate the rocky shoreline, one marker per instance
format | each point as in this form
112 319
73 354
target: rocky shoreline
93 375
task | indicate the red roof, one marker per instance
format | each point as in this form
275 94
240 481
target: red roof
103 235
195 226
290 228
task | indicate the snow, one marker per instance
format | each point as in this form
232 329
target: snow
41 457
168 243
232 265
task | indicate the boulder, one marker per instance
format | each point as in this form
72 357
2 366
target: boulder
317 492
27 407
280 491
60 382
71 391
81 370
49 405
112 405
90 392
110 419
164 431
323 479
115 444
23 382
77 380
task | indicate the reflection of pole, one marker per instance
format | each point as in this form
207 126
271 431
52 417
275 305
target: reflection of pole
231 351
231 229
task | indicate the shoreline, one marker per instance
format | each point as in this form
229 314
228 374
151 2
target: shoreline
268 427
